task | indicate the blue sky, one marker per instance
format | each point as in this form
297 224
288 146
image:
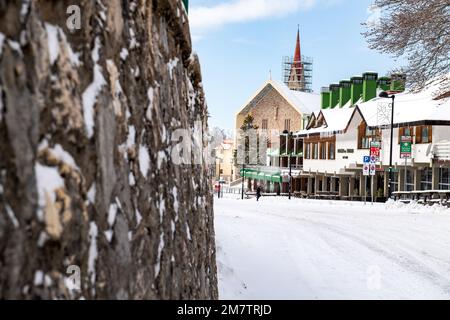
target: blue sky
239 41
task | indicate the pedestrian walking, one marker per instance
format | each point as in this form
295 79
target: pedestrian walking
258 193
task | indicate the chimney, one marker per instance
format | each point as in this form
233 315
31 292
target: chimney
356 89
344 92
334 95
384 83
369 85
398 82
325 95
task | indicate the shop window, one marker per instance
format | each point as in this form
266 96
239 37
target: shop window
444 178
394 182
426 181
409 180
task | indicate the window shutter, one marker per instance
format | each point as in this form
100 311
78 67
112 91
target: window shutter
430 134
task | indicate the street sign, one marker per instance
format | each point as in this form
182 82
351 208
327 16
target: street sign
375 144
405 147
375 147
366 169
366 159
373 169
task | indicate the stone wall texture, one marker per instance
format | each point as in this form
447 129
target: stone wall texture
87 185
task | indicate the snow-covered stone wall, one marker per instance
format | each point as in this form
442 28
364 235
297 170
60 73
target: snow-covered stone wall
91 205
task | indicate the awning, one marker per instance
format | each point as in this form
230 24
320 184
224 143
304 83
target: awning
260 175
276 178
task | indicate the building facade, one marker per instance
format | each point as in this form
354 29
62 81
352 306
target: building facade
276 109
336 142
333 144
224 164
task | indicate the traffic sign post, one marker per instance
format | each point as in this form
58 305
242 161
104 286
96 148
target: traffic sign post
373 169
366 172
366 166
375 148
406 153
373 172
405 147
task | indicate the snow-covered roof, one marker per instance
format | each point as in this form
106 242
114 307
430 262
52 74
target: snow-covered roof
336 120
347 105
303 102
409 107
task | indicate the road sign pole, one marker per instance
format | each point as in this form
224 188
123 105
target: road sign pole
372 188
365 190
406 173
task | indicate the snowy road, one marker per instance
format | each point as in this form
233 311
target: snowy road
307 249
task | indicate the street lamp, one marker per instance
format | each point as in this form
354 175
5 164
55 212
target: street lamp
243 178
289 134
218 159
247 127
384 94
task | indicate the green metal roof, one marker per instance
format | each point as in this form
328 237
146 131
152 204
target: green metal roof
260 175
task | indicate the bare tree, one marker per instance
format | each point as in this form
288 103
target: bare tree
416 29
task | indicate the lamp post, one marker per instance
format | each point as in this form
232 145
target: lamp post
384 94
243 178
247 127
289 135
218 159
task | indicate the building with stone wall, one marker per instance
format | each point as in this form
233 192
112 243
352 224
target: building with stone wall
276 109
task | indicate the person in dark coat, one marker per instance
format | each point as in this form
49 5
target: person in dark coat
258 193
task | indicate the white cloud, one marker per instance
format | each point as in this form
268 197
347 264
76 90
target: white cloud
204 18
